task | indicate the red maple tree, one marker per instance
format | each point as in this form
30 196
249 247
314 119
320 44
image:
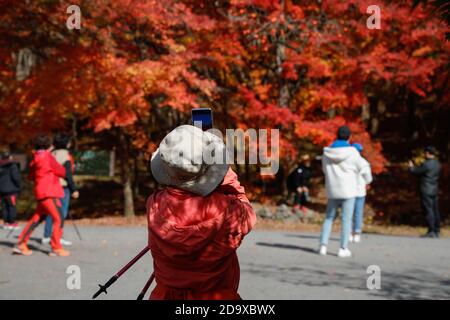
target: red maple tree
137 67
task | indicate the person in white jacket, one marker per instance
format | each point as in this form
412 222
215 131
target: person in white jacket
364 179
341 164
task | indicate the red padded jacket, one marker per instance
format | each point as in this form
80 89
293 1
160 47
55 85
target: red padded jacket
193 241
45 171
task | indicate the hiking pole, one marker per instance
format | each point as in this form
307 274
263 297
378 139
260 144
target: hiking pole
120 273
27 210
75 227
145 289
9 233
76 230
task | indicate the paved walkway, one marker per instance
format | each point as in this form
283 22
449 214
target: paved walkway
274 265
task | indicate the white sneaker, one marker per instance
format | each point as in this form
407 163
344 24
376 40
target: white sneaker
357 238
10 226
45 241
66 242
323 250
344 253
351 238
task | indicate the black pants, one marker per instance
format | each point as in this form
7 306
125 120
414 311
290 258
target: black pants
431 211
301 198
9 210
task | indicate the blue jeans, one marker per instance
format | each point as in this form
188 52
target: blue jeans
65 202
348 205
358 214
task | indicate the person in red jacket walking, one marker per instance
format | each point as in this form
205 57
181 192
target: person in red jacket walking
45 171
198 221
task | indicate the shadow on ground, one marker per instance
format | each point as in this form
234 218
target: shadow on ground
286 246
305 236
11 245
410 284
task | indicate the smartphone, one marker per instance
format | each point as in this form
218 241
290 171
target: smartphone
202 118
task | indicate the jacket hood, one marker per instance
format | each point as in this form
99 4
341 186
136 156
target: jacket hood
4 165
337 155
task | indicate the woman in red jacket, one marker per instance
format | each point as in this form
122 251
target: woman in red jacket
198 221
45 171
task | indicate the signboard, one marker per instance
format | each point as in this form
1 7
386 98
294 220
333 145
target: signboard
95 163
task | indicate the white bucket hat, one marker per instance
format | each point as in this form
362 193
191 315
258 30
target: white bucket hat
190 159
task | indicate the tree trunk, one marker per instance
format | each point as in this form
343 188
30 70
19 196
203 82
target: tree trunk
377 117
283 99
412 118
128 204
365 113
128 197
136 175
74 132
